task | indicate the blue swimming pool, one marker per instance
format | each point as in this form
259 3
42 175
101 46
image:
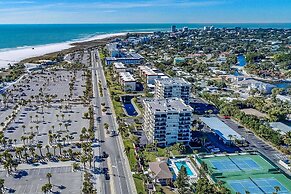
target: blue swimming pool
130 110
179 165
241 60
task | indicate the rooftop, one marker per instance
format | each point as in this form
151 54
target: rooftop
126 76
173 81
280 127
161 170
119 65
147 70
167 105
220 128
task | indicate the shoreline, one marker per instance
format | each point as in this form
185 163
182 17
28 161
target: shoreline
17 55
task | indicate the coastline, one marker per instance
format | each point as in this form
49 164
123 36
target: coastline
16 55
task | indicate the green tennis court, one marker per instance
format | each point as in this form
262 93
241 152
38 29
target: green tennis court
247 172
238 164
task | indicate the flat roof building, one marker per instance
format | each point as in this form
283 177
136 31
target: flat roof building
167 121
127 81
227 134
128 59
119 67
150 75
280 127
173 87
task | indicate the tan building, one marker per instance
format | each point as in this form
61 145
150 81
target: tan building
160 173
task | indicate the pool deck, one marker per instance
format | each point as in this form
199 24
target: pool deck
172 165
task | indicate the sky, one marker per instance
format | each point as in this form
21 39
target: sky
137 11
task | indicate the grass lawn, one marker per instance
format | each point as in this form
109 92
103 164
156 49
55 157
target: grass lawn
139 184
150 156
175 152
130 155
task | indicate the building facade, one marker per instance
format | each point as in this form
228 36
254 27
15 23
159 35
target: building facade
127 81
173 87
167 121
119 67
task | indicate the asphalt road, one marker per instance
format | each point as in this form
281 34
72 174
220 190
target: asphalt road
121 180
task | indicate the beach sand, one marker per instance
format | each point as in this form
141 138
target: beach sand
15 55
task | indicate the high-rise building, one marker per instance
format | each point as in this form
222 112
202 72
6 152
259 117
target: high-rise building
173 87
167 121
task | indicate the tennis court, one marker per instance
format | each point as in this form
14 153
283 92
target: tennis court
244 185
258 186
224 165
235 164
247 172
238 164
268 185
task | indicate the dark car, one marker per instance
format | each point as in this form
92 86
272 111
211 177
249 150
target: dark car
107 177
104 155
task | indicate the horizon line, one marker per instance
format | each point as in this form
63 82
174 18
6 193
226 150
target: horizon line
171 23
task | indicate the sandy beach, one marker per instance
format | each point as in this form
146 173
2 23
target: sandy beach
15 55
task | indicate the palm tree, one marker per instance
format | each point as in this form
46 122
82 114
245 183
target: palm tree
37 127
47 148
31 127
84 160
36 116
49 176
23 138
2 181
54 148
39 146
44 189
60 147
23 129
277 189
18 152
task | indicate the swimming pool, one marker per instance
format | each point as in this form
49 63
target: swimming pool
130 109
179 165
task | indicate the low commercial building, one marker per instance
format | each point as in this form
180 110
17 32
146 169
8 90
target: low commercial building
173 87
127 58
127 81
119 67
225 133
282 128
167 121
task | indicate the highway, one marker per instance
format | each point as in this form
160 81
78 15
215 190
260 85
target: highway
121 180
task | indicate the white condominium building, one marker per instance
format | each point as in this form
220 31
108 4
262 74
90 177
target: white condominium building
173 87
167 121
127 81
149 75
119 67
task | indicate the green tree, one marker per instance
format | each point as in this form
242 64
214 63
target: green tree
49 176
182 182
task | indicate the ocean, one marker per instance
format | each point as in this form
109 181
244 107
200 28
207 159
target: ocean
15 36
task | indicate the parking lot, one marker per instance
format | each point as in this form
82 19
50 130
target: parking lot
31 181
255 143
53 83
31 119
200 107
